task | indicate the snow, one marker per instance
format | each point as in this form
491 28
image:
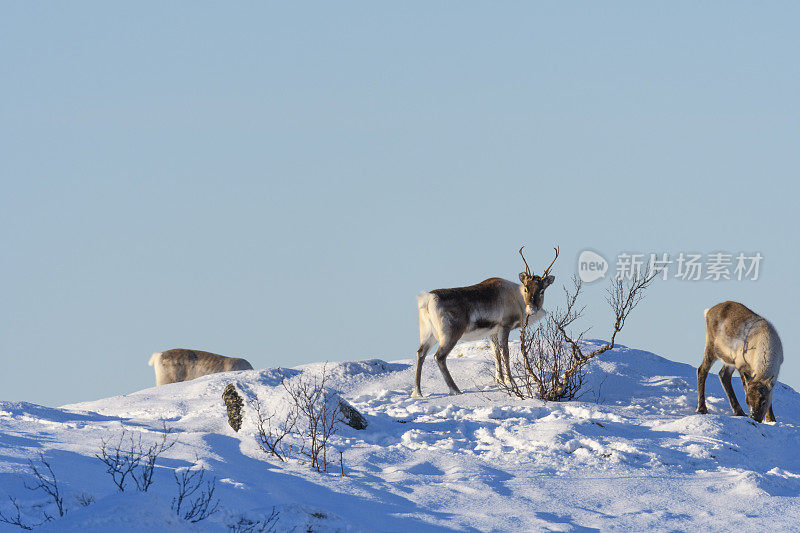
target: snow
631 454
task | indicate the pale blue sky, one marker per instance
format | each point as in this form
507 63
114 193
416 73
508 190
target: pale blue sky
278 182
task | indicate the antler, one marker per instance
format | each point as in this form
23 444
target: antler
547 270
527 268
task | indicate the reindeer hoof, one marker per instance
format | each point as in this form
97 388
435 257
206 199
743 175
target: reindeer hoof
455 392
416 394
702 410
739 413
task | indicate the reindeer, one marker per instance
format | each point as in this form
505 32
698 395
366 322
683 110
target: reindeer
180 364
492 308
746 342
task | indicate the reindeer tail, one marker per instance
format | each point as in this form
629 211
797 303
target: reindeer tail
422 299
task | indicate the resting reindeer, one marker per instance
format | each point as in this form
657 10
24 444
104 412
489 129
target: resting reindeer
492 308
746 342
180 364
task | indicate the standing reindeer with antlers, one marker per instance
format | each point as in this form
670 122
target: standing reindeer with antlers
492 308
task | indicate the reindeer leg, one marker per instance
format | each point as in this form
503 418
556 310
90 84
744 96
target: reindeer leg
702 374
441 360
725 374
422 352
503 337
498 367
770 415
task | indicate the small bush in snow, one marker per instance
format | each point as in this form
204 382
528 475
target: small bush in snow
84 499
45 481
129 458
274 428
15 518
552 365
318 408
244 524
195 500
312 414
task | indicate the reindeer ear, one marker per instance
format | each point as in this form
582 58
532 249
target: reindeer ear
546 282
523 277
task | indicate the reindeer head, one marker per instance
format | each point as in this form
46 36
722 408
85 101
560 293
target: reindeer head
759 397
533 286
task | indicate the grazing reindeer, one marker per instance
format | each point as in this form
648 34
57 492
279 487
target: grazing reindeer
746 342
492 308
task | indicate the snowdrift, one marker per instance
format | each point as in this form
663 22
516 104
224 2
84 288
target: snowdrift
631 454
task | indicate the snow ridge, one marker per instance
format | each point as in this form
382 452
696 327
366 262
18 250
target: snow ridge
631 454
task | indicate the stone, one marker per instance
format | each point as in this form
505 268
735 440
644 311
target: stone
234 403
351 416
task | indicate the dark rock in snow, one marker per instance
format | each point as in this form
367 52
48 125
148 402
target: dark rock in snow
351 416
234 404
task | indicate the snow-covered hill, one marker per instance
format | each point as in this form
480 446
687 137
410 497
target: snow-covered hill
630 455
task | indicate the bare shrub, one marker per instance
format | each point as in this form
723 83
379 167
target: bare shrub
195 499
244 524
273 429
15 519
312 415
544 360
44 480
552 362
143 477
84 499
120 462
319 409
599 398
130 458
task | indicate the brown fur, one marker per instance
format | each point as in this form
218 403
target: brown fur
746 342
491 308
180 364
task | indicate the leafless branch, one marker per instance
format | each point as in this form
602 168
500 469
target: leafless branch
190 504
143 477
129 457
84 499
272 429
120 460
318 407
15 519
552 362
46 481
248 525
623 297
